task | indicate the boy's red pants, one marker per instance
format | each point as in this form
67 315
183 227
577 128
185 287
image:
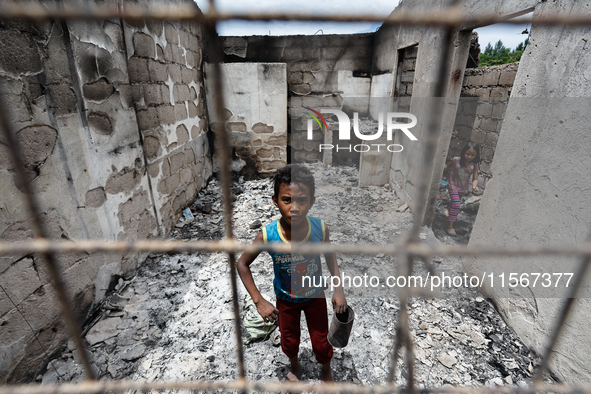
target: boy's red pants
317 319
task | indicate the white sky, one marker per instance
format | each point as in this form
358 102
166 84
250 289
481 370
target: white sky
509 34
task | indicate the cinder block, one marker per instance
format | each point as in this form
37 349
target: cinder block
488 124
144 45
168 53
499 92
474 80
174 71
180 112
407 77
177 161
295 78
138 70
192 109
171 33
186 75
485 167
64 98
464 132
499 109
166 114
165 94
484 108
409 64
507 78
308 77
482 92
181 93
129 95
303 89
165 167
491 139
478 136
178 55
487 153
155 26
157 71
194 44
148 119
152 95
491 78
302 65
183 39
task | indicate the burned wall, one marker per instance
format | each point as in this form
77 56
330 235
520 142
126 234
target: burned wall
483 102
255 114
389 40
322 71
109 116
539 190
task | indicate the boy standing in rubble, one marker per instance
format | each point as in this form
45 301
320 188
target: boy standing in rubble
294 189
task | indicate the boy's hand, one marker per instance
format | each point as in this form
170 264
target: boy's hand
267 310
339 304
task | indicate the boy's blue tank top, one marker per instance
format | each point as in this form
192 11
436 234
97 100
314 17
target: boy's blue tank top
290 269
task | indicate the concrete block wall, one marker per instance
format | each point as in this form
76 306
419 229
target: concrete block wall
255 113
483 102
165 69
322 71
111 124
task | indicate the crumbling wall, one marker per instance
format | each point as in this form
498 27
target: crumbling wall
483 102
110 119
322 72
539 192
389 40
255 113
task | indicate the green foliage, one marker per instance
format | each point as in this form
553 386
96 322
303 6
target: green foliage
500 54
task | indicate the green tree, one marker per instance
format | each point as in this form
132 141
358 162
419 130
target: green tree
500 54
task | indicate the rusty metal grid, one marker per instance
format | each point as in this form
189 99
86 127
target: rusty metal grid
407 249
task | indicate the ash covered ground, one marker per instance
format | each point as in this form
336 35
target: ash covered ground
173 320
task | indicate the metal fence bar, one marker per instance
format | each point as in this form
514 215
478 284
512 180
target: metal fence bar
450 19
98 387
38 226
416 249
36 11
222 139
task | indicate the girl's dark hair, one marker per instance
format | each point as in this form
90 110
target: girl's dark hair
470 145
293 173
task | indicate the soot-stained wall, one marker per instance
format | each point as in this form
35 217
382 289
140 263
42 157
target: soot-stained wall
322 71
110 118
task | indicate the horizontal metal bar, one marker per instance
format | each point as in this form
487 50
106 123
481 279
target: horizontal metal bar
416 249
38 11
92 387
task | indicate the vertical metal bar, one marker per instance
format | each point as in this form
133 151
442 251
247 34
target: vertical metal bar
50 257
223 146
403 336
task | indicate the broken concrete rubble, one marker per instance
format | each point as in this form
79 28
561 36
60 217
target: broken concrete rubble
173 319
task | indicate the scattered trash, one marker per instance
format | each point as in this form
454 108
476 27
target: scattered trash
188 214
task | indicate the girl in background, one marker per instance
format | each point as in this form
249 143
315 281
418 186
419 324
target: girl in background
462 170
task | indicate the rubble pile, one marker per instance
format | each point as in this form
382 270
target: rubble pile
174 320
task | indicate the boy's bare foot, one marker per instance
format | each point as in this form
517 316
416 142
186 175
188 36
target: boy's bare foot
295 371
451 231
326 373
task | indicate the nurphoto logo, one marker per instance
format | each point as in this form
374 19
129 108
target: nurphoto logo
392 124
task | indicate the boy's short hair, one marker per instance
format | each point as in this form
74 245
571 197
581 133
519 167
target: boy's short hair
293 173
